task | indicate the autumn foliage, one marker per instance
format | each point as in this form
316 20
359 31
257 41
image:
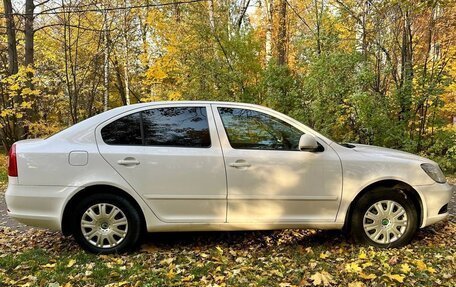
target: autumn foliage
376 72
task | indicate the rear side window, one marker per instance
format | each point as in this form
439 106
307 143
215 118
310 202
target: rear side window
124 131
179 127
176 127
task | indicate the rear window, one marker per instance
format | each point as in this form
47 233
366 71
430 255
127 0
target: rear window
179 127
124 131
174 126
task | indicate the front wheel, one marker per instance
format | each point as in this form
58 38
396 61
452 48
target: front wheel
384 218
106 223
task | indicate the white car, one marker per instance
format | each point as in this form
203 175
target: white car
194 166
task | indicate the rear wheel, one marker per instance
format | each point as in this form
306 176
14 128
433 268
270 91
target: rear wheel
384 218
106 223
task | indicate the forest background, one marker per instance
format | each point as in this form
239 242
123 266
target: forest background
375 72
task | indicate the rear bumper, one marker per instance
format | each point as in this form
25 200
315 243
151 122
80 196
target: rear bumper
434 197
40 206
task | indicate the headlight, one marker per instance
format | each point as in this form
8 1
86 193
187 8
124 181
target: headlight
434 172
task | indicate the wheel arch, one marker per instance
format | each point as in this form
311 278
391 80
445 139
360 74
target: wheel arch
405 188
91 190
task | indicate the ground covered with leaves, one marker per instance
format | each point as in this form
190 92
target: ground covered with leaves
276 258
268 258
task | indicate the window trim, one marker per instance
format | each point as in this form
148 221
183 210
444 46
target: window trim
140 111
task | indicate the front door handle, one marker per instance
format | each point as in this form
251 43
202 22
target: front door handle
240 164
128 161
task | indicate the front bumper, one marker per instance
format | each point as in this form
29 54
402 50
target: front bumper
39 206
434 197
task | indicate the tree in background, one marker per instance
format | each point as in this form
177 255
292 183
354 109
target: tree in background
377 72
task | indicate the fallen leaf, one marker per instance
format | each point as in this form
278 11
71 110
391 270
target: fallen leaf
356 284
420 265
405 268
353 268
324 255
362 255
323 278
399 278
367 276
71 263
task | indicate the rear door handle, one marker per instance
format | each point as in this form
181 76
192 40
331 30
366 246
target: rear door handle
129 161
240 164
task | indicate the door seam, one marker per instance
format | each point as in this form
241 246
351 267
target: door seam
224 162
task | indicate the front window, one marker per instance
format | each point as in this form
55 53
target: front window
248 129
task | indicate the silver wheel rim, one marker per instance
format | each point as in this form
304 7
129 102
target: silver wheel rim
104 225
385 221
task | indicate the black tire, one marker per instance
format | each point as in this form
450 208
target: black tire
133 232
367 200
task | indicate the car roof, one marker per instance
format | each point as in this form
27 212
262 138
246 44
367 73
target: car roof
192 102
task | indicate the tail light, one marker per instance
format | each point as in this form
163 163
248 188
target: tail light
12 161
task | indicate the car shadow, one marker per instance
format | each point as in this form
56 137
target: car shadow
261 239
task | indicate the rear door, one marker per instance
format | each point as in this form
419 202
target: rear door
171 155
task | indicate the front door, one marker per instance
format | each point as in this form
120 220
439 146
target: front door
172 157
269 178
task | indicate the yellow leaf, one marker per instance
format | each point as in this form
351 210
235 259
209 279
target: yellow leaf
71 263
353 268
188 278
170 274
356 284
48 265
405 268
324 255
323 278
167 261
362 255
119 261
367 276
420 265
431 270
399 278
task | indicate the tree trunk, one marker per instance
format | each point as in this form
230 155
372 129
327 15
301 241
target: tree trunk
406 67
106 63
282 34
29 33
126 64
11 35
318 26
211 15
268 39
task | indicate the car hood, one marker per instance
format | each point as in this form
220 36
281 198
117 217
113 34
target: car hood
387 152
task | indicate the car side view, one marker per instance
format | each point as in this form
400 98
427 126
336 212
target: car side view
197 166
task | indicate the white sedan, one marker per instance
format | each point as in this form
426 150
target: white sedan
194 166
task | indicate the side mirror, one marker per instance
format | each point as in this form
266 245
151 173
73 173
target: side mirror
308 143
